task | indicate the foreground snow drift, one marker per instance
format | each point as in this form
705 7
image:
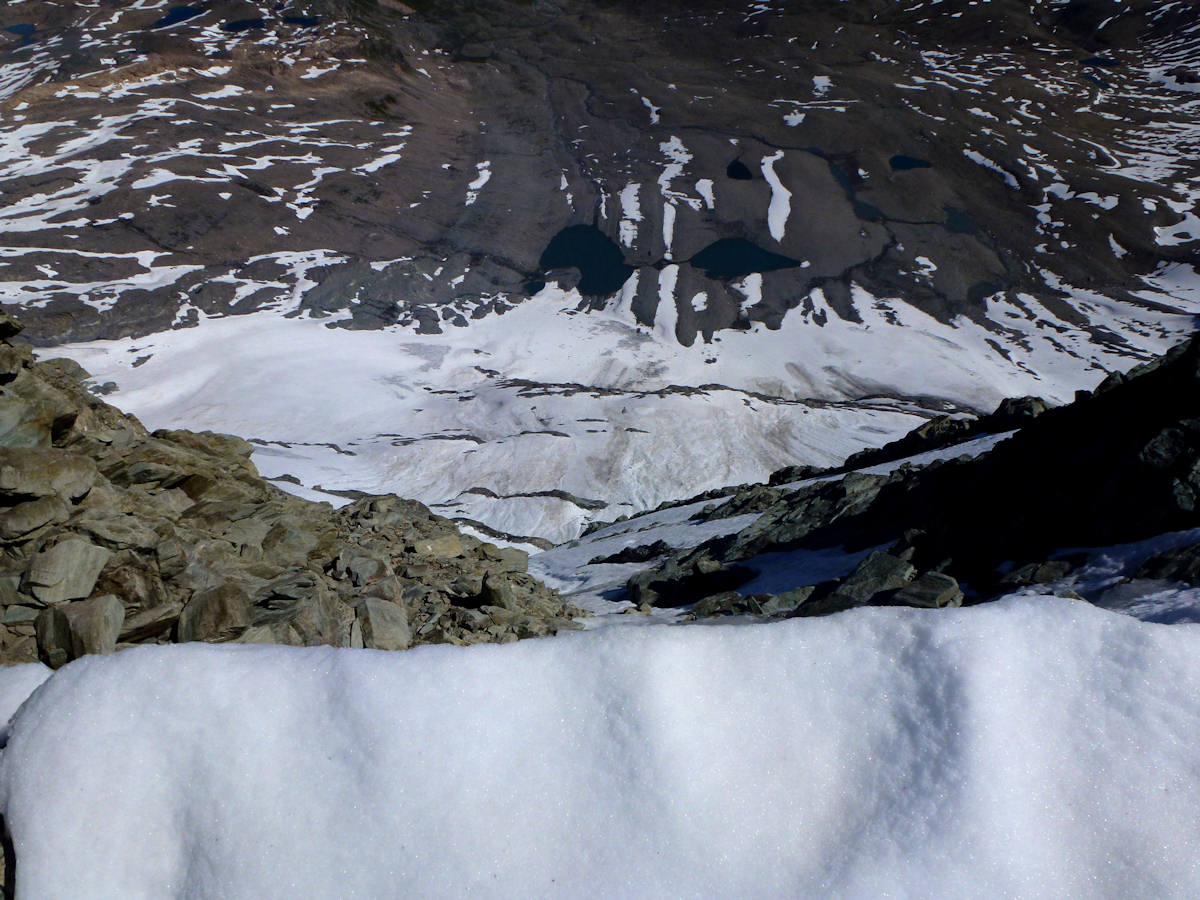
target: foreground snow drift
1035 747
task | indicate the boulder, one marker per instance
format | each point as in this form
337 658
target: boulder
384 625
361 569
66 571
877 573
301 610
134 578
932 590
9 327
149 623
787 602
497 591
25 518
12 360
116 530
20 615
95 624
33 413
1013 412
507 559
727 603
1179 564
216 614
1037 573
54 641
1168 446
447 545
28 473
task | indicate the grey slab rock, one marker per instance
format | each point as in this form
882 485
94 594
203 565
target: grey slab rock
26 518
384 625
95 624
497 591
45 473
150 623
362 569
786 602
877 573
66 571
218 613
54 641
727 603
444 545
932 590
118 530
507 559
19 615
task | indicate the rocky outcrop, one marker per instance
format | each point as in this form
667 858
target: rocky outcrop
1119 465
111 536
1180 564
607 151
938 433
945 431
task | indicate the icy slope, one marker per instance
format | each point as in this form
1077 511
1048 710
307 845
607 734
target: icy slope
1033 748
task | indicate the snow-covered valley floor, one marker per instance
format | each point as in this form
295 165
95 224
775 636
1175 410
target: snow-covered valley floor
543 419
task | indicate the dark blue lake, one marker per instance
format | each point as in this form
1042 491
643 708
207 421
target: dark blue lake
739 171
25 32
177 14
737 258
901 163
600 262
236 26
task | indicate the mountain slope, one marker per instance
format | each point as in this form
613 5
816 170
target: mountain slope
907 208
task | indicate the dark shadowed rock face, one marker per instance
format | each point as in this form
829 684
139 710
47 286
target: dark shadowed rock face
387 159
111 536
1116 466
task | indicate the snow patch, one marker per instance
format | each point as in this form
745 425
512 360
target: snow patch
781 197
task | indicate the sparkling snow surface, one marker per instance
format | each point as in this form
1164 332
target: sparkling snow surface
1037 747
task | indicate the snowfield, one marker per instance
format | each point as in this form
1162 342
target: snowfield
483 422
1035 747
